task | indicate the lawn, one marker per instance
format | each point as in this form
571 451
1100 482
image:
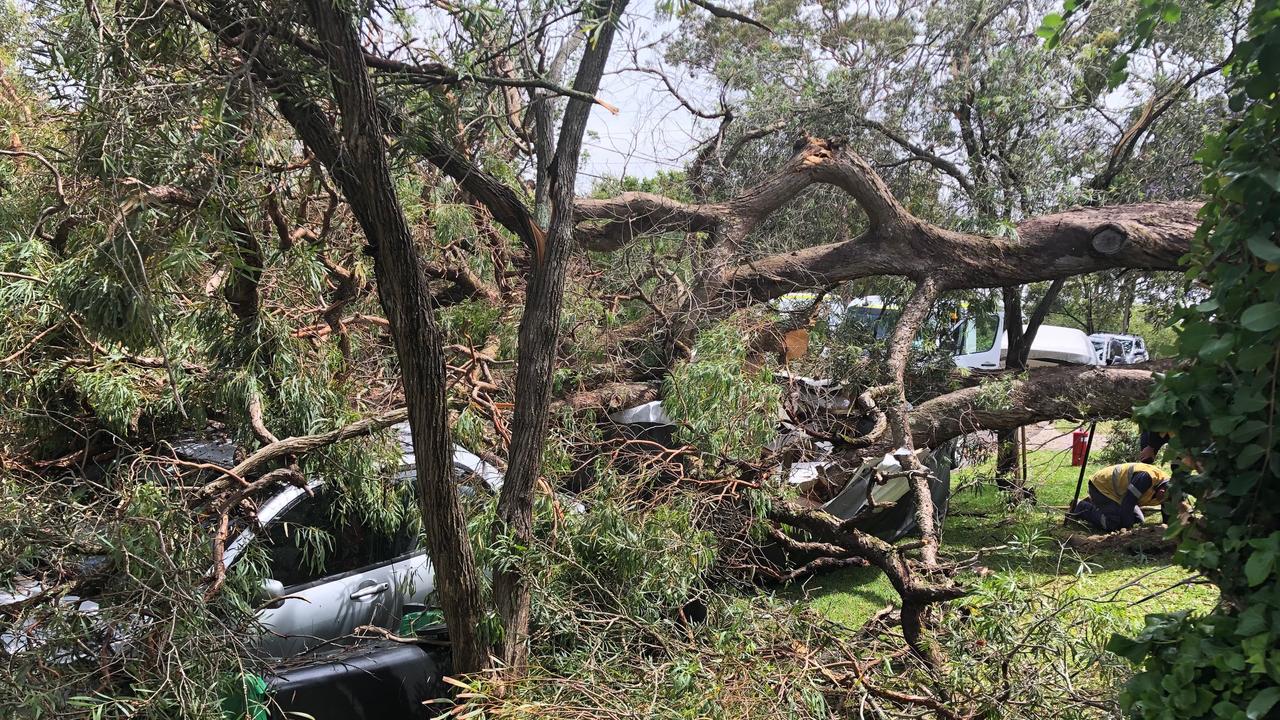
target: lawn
1026 542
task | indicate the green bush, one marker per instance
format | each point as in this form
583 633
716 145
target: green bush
1122 444
1221 406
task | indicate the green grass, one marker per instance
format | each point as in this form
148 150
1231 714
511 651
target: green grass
1026 542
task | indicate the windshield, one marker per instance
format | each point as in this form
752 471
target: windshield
875 321
976 334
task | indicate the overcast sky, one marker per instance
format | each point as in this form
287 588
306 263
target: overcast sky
651 132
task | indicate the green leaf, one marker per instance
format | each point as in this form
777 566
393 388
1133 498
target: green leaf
1127 648
1261 246
1251 454
1241 483
1250 430
1254 357
1172 14
1261 317
1049 26
1193 337
1224 424
1258 567
1252 621
1218 348
1248 402
1259 87
1270 177
1262 703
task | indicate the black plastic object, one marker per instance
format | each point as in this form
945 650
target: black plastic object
373 680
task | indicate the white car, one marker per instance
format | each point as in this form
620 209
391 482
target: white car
1118 349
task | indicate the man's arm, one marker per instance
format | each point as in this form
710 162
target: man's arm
1139 484
1150 444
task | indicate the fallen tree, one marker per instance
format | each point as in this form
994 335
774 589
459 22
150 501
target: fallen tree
1150 236
381 123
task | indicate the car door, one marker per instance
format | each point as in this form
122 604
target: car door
978 341
332 573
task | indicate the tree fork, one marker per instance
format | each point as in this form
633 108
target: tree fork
357 159
916 594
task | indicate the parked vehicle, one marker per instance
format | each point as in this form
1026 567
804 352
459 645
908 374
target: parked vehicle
871 313
317 595
976 347
972 339
1118 349
366 575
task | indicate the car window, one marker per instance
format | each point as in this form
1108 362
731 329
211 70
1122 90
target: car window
977 334
313 540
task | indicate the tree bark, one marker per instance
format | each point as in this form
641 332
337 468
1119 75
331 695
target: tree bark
1069 392
1149 236
1007 479
539 336
916 592
904 332
1009 443
357 160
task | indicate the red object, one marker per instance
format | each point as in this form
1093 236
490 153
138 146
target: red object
1079 444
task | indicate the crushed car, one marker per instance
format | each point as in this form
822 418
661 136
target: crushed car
317 611
872 488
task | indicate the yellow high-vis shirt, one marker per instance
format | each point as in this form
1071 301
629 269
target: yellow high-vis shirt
1114 481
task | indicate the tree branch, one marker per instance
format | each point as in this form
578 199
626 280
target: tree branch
1151 112
632 214
727 14
919 153
1069 392
1150 236
904 332
815 161
300 445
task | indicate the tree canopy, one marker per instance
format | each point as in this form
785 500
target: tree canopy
296 224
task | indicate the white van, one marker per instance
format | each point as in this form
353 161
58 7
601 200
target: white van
976 347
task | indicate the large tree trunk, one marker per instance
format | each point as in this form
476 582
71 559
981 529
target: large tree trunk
405 293
1071 392
357 160
1128 292
1011 476
539 338
1008 479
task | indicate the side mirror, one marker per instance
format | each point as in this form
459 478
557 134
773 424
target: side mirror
271 591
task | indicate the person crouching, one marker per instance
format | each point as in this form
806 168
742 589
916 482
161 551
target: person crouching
1118 493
